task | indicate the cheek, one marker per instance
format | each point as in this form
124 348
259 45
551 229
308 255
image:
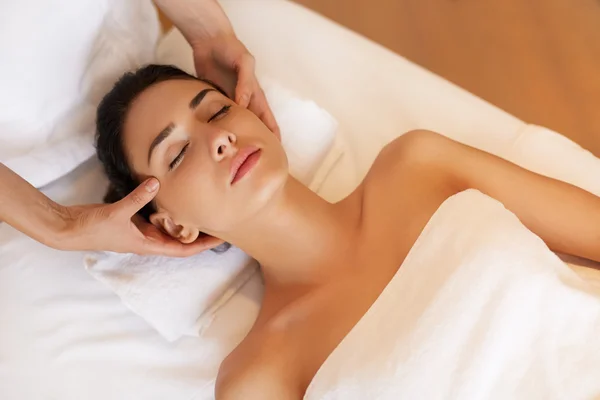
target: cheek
194 198
186 196
246 125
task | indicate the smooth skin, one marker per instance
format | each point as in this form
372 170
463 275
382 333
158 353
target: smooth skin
220 57
324 264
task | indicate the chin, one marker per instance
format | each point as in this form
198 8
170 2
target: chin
269 184
255 190
269 175
264 183
252 197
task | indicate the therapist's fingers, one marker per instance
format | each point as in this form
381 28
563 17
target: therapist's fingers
153 241
249 94
246 80
167 246
260 107
137 199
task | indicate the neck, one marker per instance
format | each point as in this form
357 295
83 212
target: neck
297 235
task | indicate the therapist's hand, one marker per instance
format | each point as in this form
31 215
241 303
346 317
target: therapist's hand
226 61
116 227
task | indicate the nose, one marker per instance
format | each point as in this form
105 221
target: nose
223 145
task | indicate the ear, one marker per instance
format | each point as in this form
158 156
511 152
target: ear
184 234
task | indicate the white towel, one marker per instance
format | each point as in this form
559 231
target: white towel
180 296
480 309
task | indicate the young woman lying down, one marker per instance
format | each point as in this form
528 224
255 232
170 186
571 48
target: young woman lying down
223 173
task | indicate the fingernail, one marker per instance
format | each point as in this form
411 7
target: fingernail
244 99
152 185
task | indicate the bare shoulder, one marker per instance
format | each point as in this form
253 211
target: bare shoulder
256 370
414 162
420 146
425 160
404 187
453 163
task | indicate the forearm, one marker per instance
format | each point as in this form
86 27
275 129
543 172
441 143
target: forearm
28 210
106 227
566 217
198 20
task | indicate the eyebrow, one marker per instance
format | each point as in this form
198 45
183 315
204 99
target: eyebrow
159 139
199 97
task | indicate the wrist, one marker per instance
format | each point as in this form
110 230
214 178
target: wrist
208 34
199 21
60 225
206 45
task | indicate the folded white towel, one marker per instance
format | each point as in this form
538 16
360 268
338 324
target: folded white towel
480 309
180 296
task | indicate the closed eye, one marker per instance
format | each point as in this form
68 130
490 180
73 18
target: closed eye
222 111
179 157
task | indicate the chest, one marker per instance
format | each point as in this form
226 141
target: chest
315 325
309 328
393 218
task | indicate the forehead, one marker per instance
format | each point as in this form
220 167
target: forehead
155 102
153 110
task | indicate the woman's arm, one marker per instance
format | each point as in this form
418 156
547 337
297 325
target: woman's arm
566 217
198 20
88 227
26 209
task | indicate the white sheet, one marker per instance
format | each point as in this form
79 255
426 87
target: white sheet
480 309
65 336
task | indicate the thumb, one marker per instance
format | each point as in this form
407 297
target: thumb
138 198
245 81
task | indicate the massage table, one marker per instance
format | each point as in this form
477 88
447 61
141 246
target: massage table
66 336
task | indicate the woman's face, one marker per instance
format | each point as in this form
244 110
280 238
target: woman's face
217 163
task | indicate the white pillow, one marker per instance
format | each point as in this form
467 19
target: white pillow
59 57
181 296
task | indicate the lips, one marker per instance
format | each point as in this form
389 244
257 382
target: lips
243 162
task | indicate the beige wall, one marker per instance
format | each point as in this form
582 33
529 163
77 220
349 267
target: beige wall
538 59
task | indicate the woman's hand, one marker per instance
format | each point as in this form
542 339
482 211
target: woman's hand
116 227
226 61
